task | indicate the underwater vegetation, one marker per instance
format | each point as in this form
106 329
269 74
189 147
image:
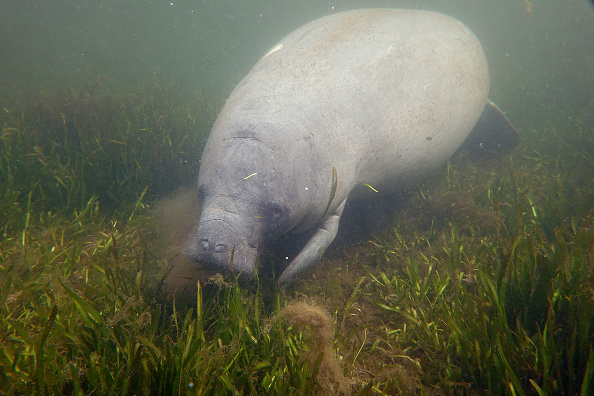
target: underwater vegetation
484 284
61 151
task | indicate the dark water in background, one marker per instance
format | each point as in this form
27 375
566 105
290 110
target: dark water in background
541 53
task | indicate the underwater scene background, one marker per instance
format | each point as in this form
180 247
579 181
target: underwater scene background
483 283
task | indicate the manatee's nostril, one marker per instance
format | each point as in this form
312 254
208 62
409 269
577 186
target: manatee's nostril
220 248
204 243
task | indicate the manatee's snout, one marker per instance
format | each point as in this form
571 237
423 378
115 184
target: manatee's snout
218 244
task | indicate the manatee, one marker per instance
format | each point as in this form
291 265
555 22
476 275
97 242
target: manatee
353 105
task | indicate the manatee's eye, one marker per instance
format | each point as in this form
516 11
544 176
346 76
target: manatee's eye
273 212
276 212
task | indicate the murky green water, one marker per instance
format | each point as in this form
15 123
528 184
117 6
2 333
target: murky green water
541 53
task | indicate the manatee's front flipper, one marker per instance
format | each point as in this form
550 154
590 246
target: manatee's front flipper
492 135
315 247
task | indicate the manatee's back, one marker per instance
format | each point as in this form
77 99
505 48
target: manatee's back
383 96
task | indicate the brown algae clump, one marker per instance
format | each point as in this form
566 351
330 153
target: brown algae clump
303 314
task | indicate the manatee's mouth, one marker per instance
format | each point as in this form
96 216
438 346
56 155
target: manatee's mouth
219 244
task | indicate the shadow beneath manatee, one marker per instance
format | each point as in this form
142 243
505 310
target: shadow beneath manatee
360 220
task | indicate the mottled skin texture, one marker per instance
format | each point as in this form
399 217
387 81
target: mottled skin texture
362 98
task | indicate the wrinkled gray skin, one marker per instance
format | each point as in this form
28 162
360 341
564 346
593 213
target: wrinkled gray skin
368 98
